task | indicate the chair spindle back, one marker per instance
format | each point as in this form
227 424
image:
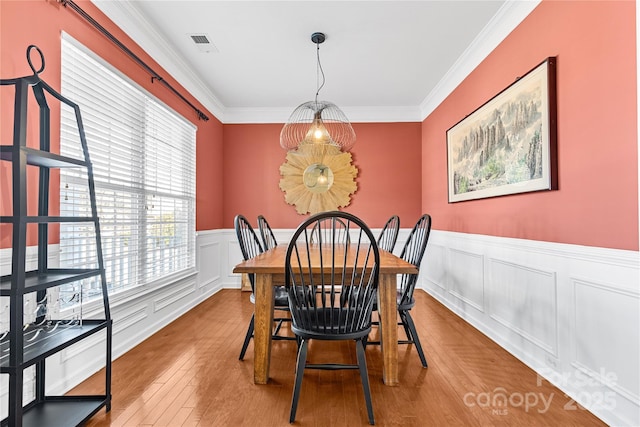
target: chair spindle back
412 252
339 301
268 239
249 242
389 234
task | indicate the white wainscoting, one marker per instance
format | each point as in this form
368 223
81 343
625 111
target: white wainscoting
571 313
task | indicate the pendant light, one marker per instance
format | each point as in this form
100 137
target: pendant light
317 122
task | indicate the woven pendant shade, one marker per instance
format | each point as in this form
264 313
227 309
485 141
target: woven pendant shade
317 122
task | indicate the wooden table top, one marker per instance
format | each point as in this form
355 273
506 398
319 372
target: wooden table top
272 261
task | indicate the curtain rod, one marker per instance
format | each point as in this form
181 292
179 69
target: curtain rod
112 38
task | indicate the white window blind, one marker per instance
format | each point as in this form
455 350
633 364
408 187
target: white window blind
143 157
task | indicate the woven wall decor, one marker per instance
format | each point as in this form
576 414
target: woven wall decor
318 178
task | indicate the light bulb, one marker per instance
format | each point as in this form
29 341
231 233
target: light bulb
322 179
318 133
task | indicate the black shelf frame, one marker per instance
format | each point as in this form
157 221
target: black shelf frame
61 411
41 158
30 346
39 281
47 219
47 342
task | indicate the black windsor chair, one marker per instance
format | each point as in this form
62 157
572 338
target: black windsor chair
268 239
412 252
329 230
319 310
389 234
251 247
269 242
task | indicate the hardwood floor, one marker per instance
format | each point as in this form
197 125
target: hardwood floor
188 374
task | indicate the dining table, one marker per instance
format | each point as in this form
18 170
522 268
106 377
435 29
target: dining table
269 268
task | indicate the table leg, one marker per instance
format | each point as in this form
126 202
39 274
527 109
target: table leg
245 284
387 311
263 322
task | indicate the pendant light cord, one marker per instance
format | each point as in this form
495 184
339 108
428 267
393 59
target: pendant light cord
319 72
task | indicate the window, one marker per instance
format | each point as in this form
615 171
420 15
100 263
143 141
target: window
143 157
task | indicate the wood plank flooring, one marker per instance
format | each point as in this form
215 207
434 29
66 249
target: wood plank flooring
188 374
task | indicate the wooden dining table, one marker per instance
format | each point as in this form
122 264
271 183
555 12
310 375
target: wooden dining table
269 268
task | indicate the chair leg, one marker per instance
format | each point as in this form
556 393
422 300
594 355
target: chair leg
302 360
247 338
407 331
406 318
362 365
279 321
278 326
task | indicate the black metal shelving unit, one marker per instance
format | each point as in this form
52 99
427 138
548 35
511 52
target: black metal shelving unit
17 352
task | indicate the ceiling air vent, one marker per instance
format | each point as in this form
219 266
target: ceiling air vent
202 43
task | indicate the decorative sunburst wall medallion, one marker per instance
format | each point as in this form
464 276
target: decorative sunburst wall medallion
318 178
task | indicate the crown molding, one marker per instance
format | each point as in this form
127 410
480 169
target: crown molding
355 115
382 114
132 22
126 16
508 17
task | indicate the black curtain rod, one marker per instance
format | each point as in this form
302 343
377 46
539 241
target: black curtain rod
112 38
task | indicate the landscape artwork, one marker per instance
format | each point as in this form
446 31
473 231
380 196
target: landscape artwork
508 145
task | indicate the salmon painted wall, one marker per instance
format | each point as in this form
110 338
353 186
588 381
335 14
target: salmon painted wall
597 200
41 22
386 155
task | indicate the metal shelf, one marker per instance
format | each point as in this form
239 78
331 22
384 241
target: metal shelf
62 411
47 219
41 158
35 281
23 347
45 343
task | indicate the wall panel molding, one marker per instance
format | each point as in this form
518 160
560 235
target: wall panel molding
176 293
209 272
598 351
524 299
467 284
437 266
134 315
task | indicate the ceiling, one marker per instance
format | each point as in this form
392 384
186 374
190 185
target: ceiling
382 60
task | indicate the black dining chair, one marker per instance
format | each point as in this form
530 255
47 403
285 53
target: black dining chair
269 242
412 252
268 239
251 247
329 230
389 234
337 304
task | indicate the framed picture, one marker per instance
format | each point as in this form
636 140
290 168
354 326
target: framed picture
508 145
